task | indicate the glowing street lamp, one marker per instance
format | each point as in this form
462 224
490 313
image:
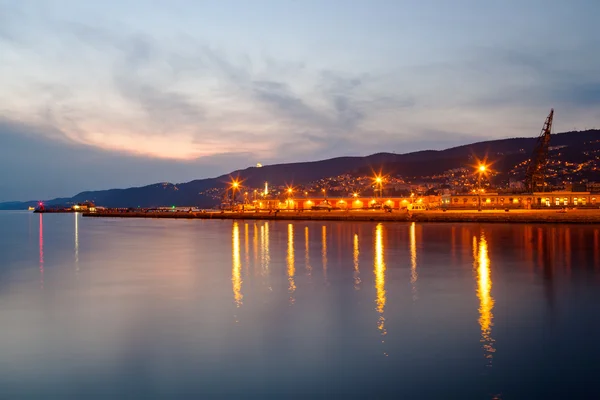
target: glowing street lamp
482 169
379 182
290 197
234 187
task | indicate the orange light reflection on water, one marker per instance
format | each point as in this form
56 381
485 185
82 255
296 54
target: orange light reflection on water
291 269
236 278
379 270
413 260
307 252
486 301
355 258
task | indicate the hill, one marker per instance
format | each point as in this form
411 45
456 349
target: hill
504 153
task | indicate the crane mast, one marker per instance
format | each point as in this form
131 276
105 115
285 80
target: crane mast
536 171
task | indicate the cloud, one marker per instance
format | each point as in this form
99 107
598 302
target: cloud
159 83
37 167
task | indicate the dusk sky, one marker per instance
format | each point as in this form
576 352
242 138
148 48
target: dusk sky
103 94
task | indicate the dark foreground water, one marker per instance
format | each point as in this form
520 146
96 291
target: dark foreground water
123 308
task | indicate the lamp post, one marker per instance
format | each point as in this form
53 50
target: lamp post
290 197
481 170
379 181
234 186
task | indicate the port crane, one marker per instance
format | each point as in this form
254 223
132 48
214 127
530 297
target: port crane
536 170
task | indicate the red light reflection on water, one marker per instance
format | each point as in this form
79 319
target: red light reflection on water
41 251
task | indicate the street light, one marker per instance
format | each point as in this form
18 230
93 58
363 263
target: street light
481 170
379 181
234 186
291 198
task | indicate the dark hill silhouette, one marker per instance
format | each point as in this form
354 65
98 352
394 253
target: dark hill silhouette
504 153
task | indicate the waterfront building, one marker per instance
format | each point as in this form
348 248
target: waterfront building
559 199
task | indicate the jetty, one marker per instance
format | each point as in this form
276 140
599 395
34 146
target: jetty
583 216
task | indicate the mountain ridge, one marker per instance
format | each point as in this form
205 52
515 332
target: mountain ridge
504 152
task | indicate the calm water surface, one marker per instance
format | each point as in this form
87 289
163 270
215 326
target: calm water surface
114 308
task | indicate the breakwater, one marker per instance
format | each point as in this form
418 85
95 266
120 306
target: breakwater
514 216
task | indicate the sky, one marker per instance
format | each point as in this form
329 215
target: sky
120 93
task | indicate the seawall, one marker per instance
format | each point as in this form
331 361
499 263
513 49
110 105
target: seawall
514 216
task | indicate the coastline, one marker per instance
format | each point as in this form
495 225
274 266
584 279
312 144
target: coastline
589 216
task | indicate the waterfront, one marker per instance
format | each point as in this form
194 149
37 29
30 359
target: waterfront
304 309
577 216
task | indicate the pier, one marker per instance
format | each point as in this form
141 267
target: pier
584 216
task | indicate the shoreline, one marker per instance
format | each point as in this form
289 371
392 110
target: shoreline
514 216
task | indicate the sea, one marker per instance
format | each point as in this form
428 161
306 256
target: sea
113 308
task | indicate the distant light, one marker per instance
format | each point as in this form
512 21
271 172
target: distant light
482 168
258 165
172 206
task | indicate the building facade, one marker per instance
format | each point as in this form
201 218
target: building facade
522 200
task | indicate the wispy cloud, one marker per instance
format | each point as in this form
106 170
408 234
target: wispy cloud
198 81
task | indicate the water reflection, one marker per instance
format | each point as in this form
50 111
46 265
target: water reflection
486 301
324 250
255 246
76 242
246 246
236 278
264 247
567 251
291 269
413 260
379 269
307 252
597 248
355 257
333 327
41 250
